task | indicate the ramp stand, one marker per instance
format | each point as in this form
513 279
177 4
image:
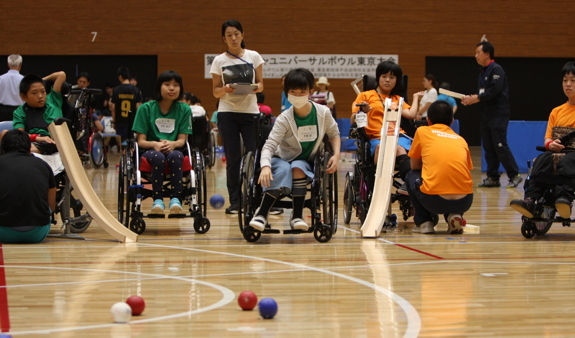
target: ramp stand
375 218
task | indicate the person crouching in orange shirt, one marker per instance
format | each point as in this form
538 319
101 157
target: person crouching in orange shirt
440 178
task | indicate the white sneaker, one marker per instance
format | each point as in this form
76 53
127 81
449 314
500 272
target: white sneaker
258 222
427 228
416 229
455 224
298 224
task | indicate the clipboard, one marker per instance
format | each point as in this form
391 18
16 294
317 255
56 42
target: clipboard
243 88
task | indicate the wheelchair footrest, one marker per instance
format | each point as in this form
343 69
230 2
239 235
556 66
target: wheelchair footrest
294 231
271 231
177 216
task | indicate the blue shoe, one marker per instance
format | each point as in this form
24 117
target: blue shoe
176 207
158 207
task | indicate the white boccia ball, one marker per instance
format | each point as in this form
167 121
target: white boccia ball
121 312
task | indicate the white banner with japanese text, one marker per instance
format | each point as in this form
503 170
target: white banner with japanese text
332 66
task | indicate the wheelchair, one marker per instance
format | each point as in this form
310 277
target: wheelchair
545 213
323 191
89 142
359 183
134 187
203 140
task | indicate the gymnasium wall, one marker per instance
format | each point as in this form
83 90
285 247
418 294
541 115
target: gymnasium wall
181 32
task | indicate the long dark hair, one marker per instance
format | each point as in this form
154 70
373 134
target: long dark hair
431 78
235 24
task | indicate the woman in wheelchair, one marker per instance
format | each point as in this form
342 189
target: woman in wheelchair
292 143
388 75
162 127
556 166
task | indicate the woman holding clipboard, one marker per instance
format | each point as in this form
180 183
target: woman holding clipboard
234 73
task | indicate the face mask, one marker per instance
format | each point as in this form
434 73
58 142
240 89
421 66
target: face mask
298 101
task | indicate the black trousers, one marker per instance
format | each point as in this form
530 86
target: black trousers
427 206
494 142
542 176
235 127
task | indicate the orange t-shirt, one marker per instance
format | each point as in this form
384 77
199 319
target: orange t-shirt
446 160
375 115
562 116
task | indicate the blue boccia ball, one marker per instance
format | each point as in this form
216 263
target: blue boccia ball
217 201
268 308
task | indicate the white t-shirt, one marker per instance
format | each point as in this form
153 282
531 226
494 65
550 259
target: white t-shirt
329 98
430 96
234 70
197 110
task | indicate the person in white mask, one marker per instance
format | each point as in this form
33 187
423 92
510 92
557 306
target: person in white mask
291 146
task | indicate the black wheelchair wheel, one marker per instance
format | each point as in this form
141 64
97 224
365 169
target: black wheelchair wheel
540 227
121 190
137 225
97 150
329 197
81 226
527 228
348 198
201 184
250 234
246 208
212 142
322 232
201 225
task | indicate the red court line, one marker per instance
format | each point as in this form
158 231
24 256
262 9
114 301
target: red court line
4 317
418 251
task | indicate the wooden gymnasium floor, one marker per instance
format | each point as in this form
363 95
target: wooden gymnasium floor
490 281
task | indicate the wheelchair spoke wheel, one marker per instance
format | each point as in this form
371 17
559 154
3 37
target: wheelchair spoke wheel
540 227
201 225
245 211
201 184
212 142
329 197
250 234
137 225
348 198
322 233
121 190
527 228
77 226
97 150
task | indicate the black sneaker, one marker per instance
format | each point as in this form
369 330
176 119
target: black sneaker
524 207
276 211
490 183
232 209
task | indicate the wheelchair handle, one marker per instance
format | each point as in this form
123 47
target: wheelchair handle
86 90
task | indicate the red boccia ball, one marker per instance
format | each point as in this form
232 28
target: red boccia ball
137 304
247 300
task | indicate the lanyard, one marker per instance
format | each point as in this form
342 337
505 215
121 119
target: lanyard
237 57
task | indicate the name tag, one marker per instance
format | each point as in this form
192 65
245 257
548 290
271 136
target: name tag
481 91
166 126
361 119
307 133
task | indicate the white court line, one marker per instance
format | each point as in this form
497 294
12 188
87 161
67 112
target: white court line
413 319
228 296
